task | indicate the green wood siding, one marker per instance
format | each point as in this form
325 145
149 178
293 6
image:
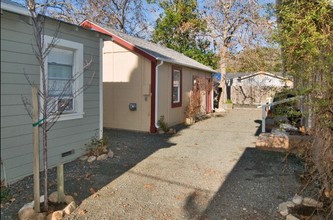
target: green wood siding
16 126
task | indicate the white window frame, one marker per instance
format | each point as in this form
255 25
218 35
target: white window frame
77 49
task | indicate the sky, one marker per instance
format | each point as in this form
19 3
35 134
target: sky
154 8
155 12
154 15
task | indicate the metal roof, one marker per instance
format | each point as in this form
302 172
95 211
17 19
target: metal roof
229 76
159 52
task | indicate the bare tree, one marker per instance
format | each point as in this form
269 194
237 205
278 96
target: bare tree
55 96
128 16
235 25
267 59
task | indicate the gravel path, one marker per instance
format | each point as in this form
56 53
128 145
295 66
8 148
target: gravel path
209 170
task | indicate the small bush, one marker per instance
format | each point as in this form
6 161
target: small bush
162 124
194 105
228 101
5 193
287 109
97 146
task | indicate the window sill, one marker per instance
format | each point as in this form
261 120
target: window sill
71 116
176 105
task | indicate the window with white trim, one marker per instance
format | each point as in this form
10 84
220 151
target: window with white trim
60 79
64 69
176 87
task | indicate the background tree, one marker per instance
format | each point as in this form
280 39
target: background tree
181 28
51 107
249 60
128 16
306 38
235 25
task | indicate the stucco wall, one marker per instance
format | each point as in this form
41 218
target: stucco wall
126 79
176 115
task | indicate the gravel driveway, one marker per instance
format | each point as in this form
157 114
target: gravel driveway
209 170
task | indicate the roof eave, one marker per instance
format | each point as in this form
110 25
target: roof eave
124 43
261 72
182 64
15 9
132 47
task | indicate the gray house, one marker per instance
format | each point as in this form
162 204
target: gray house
82 121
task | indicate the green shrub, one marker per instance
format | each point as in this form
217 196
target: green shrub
228 101
287 109
97 145
162 124
5 193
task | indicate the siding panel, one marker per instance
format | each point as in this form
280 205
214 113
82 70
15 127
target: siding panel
19 69
15 57
15 89
11 110
12 78
16 46
14 35
16 126
14 172
16 142
15 131
11 99
13 120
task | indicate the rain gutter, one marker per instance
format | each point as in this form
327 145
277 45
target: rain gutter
156 92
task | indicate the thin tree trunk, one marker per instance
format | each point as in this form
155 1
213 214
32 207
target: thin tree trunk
45 114
223 66
45 165
36 149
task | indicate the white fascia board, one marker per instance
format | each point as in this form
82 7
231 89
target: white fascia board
15 9
208 70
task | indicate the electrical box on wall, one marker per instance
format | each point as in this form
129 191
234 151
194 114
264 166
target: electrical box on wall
132 106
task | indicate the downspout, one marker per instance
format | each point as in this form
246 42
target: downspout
101 45
212 94
156 92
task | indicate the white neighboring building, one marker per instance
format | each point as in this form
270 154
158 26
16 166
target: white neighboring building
254 88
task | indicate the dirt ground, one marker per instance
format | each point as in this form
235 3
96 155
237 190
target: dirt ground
209 170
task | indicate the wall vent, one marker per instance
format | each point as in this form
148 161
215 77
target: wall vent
65 154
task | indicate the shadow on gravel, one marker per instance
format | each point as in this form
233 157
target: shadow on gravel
82 179
257 184
130 148
258 131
